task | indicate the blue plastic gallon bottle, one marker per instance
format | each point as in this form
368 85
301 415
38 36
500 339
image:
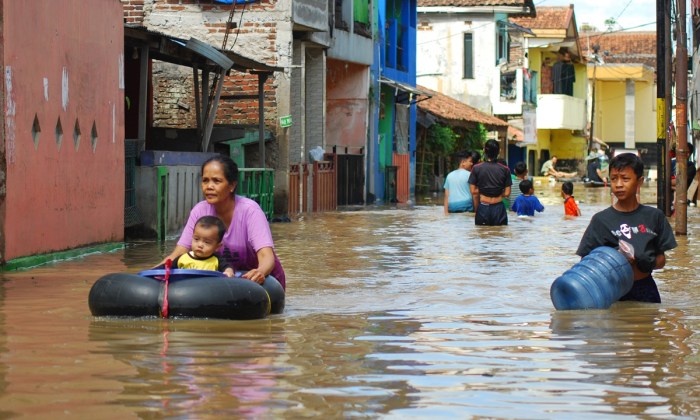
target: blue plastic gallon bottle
600 279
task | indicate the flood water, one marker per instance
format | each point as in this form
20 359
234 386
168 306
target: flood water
391 313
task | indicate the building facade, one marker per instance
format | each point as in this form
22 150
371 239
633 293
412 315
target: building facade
62 160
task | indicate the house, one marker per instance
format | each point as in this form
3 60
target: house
391 159
622 73
62 160
558 64
341 113
461 119
465 51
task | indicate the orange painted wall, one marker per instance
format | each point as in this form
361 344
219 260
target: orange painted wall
62 61
403 177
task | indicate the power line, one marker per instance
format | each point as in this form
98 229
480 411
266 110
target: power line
623 10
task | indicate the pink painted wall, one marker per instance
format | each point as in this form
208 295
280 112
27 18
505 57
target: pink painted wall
347 105
62 60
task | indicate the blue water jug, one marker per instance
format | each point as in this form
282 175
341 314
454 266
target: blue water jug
600 279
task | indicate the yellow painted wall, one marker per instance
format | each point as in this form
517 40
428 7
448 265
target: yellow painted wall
645 113
610 111
560 143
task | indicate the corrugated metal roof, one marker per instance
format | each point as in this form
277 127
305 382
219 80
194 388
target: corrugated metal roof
171 49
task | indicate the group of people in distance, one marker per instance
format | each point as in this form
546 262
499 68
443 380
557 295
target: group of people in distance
645 228
488 185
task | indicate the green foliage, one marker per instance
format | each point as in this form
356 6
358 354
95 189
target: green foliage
473 139
610 23
441 139
444 140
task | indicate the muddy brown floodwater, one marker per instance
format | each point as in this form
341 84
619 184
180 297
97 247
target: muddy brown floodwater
391 313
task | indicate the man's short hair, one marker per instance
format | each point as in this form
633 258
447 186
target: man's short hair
627 160
520 168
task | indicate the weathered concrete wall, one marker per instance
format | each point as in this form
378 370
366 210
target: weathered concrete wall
440 56
63 125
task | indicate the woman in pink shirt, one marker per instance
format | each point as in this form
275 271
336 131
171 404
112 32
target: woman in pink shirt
247 243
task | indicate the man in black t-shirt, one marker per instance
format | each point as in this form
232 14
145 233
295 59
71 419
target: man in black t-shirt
490 182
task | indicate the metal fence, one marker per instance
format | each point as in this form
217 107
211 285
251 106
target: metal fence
258 184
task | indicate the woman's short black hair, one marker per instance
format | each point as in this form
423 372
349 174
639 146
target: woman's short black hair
628 160
230 167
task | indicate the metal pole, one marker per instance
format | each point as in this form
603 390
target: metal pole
261 117
660 104
668 196
681 123
592 131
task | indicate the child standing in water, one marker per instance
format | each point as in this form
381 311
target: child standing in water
526 204
206 239
645 228
570 206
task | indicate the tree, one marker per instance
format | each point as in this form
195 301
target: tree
610 23
587 27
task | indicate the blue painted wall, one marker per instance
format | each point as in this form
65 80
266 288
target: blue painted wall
394 26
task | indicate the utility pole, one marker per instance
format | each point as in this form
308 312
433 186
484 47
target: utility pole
595 67
681 123
660 104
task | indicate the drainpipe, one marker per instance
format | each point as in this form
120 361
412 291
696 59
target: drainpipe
302 125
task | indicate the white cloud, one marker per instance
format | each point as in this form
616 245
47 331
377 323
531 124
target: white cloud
595 12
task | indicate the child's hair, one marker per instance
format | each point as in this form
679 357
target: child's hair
476 157
627 160
212 221
567 188
520 168
461 155
525 186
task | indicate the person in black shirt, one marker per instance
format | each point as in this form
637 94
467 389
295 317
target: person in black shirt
490 182
645 228
593 168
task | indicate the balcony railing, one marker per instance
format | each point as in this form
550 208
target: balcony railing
563 112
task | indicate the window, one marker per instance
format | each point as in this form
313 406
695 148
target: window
501 43
468 56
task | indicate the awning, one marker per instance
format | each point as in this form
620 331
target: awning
518 27
404 87
175 50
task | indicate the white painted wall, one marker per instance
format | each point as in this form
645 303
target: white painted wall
440 50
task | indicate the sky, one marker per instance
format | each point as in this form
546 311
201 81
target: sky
628 13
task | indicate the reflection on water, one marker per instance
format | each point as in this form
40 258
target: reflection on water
391 312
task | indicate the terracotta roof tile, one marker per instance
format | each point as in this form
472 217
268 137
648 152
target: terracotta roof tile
622 47
456 112
548 17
